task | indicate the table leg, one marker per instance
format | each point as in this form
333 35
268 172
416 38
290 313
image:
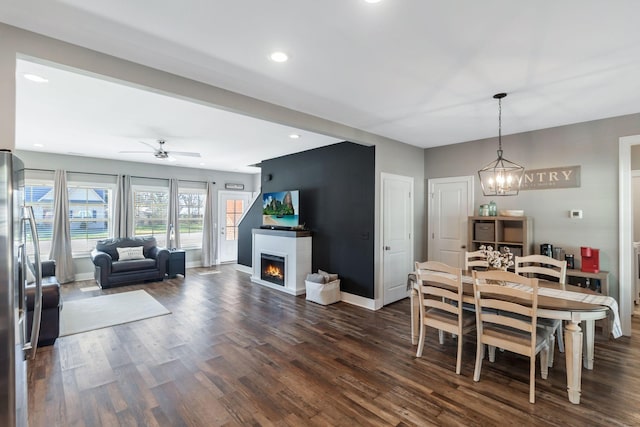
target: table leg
573 353
589 337
415 314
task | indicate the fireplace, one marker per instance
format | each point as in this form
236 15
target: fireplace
291 251
272 268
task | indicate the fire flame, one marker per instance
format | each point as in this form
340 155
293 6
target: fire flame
274 271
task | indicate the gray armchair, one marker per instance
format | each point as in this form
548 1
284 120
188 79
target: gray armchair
111 270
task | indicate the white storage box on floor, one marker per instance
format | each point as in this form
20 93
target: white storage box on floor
323 293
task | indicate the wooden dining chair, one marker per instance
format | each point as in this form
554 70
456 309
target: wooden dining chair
551 270
440 297
507 318
475 259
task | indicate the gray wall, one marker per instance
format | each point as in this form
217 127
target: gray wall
635 191
406 160
47 161
635 157
592 145
635 194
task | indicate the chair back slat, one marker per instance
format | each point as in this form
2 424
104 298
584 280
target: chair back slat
503 304
506 318
475 259
440 302
542 266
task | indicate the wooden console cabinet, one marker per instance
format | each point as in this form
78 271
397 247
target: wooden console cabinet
513 232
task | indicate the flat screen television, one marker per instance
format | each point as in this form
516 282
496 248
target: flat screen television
281 209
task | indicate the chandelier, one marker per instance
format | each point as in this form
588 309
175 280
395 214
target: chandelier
501 177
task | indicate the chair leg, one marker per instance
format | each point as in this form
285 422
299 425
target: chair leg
459 358
479 357
441 337
552 346
421 339
492 354
532 379
559 334
544 364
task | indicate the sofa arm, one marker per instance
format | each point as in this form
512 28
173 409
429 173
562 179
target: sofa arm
161 255
48 268
102 260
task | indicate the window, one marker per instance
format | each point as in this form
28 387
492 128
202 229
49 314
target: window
40 197
150 207
192 203
89 215
233 212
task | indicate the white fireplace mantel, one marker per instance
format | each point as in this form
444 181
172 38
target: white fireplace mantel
294 246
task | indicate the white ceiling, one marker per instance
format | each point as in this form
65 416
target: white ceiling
418 71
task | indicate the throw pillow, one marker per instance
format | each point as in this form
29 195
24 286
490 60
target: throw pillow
315 278
126 254
328 277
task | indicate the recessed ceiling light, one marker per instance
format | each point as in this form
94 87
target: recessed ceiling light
35 78
201 163
279 56
373 1
38 145
294 136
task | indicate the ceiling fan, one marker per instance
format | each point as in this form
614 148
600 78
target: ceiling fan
160 152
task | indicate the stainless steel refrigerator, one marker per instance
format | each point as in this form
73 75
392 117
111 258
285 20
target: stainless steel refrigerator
18 251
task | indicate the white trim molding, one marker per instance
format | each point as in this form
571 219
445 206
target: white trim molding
626 282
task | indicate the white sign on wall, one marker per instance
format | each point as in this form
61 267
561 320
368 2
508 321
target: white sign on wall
551 178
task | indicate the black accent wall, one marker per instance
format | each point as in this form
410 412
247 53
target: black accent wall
337 203
253 219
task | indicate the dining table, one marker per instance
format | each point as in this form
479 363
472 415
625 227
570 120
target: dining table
574 304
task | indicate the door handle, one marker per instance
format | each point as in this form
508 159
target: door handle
463 247
32 346
387 248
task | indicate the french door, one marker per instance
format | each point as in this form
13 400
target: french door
232 207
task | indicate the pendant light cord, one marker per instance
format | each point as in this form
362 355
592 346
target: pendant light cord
500 126
499 97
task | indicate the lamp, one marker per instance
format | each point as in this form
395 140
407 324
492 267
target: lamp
501 177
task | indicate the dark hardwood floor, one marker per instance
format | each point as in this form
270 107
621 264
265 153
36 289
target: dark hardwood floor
235 353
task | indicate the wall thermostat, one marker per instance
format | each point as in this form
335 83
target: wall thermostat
575 213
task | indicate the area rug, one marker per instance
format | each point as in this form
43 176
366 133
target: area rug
108 310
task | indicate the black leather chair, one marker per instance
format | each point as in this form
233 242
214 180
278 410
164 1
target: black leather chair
111 271
51 305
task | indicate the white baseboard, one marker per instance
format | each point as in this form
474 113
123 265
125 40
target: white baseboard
83 276
244 268
363 302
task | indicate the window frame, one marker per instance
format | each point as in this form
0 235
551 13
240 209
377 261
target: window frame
161 236
109 211
192 190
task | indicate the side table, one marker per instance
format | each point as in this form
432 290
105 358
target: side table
176 263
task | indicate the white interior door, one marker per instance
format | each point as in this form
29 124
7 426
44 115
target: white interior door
232 207
397 235
450 204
